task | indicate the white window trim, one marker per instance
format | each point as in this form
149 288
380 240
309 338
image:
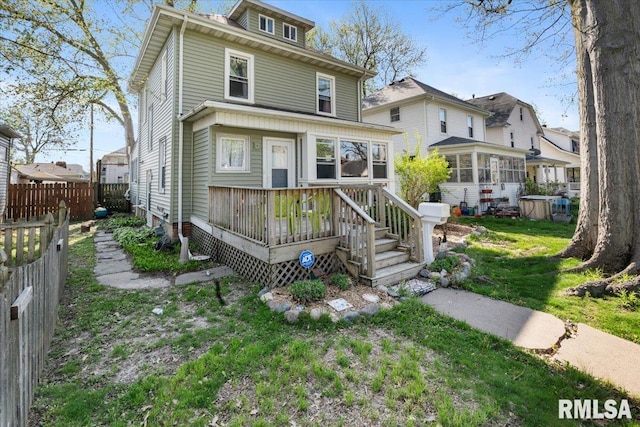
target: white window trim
391 115
247 154
163 72
267 19
369 143
333 94
162 162
295 39
336 156
227 61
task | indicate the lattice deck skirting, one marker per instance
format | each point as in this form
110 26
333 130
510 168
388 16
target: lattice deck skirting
272 275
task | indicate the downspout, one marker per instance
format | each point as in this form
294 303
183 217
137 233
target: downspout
184 242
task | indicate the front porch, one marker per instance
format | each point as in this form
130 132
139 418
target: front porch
363 229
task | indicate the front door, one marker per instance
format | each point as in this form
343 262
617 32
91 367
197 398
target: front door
280 164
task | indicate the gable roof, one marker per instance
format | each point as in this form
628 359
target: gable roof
260 6
409 88
501 105
165 18
120 152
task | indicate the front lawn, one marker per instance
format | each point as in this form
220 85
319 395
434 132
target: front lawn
113 362
515 263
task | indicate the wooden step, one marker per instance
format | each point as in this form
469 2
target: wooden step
384 259
384 245
394 274
381 232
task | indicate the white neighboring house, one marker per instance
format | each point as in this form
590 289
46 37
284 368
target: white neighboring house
457 129
561 148
7 134
114 167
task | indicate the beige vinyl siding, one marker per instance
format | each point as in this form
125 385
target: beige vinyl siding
279 82
244 20
199 162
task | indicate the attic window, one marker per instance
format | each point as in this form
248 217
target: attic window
395 114
289 32
521 115
265 24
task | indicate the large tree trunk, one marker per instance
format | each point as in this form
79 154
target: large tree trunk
608 34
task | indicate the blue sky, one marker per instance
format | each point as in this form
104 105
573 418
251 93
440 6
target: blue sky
455 64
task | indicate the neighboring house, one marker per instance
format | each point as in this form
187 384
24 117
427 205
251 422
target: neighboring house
48 173
114 167
250 143
7 134
558 161
457 129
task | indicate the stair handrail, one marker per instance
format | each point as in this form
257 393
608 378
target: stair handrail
417 217
370 244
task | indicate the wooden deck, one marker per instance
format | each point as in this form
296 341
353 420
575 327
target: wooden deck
275 225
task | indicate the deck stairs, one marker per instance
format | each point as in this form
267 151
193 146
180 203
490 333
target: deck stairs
392 260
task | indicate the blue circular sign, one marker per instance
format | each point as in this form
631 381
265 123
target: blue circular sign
307 258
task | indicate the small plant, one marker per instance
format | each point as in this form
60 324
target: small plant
628 300
129 235
307 290
341 281
448 263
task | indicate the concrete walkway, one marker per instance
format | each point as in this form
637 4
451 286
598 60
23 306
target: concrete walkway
597 353
114 269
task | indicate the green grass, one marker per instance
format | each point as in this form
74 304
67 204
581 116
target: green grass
247 366
515 262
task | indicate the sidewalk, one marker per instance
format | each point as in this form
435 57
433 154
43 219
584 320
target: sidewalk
597 353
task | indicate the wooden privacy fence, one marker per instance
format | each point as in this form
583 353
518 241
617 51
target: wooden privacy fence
29 297
111 197
29 200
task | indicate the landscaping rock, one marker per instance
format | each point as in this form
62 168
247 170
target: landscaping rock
444 272
263 291
350 316
424 273
266 297
369 310
444 282
371 298
282 307
434 275
392 293
317 313
415 287
292 315
385 306
334 317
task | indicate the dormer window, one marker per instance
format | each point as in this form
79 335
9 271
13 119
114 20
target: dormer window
289 32
265 24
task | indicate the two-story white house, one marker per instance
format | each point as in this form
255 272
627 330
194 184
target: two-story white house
252 144
483 171
114 167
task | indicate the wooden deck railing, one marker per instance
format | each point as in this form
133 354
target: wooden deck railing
273 216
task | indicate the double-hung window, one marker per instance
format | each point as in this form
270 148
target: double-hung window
238 76
470 126
326 91
265 24
394 114
325 158
443 120
162 148
354 159
232 153
150 128
164 77
379 159
289 32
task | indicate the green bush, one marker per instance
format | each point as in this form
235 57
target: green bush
129 235
307 290
124 220
628 300
448 263
341 281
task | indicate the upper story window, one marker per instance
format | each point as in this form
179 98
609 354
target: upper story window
395 114
238 78
232 153
150 128
265 24
164 78
443 120
470 126
521 114
513 142
289 32
326 94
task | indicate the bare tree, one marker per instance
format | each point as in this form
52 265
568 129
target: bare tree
367 37
607 42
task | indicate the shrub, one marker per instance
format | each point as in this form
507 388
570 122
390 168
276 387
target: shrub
307 290
129 235
448 263
628 300
341 281
124 220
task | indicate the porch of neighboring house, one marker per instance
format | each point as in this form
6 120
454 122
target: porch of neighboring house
364 230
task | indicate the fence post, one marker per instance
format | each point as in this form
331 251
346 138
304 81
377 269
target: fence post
48 230
62 213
